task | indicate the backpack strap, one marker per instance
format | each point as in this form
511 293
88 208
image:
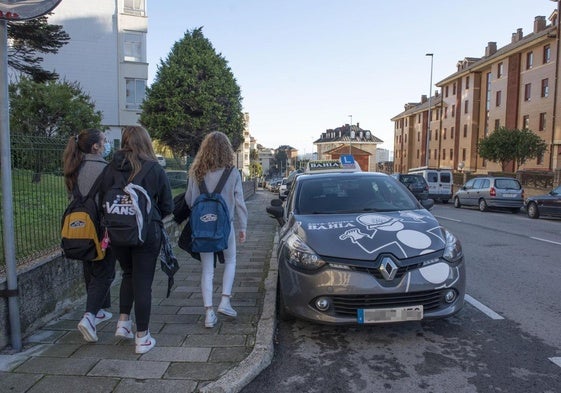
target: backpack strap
221 182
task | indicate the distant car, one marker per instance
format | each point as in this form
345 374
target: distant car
415 183
358 248
177 179
491 192
544 205
282 189
161 160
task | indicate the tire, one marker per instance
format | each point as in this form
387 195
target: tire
457 203
533 211
482 205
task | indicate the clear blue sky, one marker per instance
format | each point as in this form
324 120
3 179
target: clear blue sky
304 66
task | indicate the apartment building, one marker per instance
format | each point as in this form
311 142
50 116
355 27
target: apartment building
349 139
512 87
106 55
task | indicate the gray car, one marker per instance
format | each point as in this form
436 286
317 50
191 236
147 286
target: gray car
358 248
491 192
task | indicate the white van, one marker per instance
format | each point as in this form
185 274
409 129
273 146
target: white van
440 182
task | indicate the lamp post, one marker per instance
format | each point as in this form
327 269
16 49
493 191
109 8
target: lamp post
429 116
350 134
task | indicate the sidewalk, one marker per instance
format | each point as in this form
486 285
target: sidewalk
188 357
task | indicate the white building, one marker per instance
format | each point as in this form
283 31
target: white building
106 54
242 154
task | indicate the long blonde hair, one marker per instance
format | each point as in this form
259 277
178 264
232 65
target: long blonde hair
136 146
215 152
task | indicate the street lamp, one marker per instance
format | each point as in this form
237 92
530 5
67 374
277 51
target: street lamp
350 134
429 117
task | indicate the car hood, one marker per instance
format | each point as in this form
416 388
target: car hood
545 197
404 234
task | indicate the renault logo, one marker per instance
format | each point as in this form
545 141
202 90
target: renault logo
388 268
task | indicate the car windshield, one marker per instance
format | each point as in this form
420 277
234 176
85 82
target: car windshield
348 194
412 179
507 184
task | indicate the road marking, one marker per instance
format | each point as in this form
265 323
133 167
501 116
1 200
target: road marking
557 361
449 219
545 240
483 308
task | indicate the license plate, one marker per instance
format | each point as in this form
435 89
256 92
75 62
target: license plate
509 195
397 314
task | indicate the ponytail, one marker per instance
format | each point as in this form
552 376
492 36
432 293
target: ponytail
76 149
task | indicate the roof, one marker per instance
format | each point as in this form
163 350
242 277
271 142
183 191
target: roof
342 135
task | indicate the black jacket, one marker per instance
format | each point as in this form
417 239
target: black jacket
155 182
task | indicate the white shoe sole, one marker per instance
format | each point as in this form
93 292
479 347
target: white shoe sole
228 312
86 333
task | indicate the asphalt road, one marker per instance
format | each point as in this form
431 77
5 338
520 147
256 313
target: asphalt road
506 339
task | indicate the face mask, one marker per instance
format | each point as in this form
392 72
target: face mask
106 149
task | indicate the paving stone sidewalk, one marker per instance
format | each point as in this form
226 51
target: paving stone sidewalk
188 357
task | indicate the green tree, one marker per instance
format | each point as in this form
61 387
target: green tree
29 38
504 145
255 170
194 92
53 109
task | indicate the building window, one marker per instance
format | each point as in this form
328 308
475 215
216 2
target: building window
453 110
526 122
546 54
444 134
467 82
435 135
451 154
446 113
133 46
136 88
529 60
418 136
500 70
542 121
466 106
463 154
452 133
527 91
419 118
135 7
454 88
545 87
417 153
443 154
435 154
465 130
497 124
498 98
446 91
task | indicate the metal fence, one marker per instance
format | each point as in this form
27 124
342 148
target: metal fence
39 196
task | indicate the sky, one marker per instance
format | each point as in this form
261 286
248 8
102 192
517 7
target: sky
306 66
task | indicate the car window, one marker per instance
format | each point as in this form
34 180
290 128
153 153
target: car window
342 194
445 177
432 177
507 184
478 183
469 183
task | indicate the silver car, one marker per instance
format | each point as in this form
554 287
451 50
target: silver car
359 248
491 192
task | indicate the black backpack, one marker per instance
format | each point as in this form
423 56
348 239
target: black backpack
80 226
128 208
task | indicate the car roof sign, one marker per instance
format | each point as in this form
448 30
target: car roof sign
346 163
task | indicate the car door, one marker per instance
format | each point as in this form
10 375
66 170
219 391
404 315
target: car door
464 193
552 205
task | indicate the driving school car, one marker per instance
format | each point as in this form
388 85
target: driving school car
358 248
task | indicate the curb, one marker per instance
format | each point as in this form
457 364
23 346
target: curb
262 354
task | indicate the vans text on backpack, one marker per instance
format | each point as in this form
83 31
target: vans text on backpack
80 227
210 218
127 208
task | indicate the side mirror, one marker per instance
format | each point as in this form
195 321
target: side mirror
427 203
276 211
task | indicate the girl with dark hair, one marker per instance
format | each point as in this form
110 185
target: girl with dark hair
214 155
83 163
139 263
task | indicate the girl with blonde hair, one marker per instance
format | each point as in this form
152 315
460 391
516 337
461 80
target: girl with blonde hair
214 156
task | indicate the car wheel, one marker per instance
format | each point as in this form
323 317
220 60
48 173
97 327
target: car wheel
457 203
482 205
533 211
282 313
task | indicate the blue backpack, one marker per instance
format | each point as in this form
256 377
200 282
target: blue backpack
210 219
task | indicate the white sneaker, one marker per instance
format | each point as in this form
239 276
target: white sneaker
225 308
124 329
86 326
144 344
210 318
102 316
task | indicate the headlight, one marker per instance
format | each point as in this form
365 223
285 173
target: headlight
300 255
453 250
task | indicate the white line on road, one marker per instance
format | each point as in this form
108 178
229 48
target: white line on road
449 219
557 361
545 240
483 308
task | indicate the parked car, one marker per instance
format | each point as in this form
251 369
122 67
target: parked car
415 183
358 248
177 179
440 182
161 160
544 205
282 189
491 192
